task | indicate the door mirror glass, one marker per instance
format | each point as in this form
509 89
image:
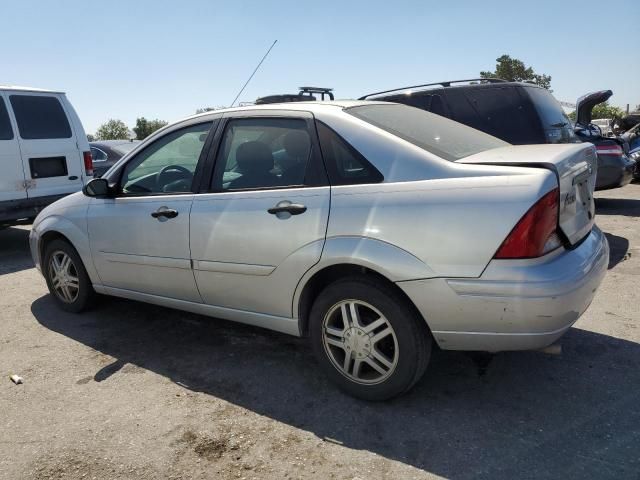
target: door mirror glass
98 187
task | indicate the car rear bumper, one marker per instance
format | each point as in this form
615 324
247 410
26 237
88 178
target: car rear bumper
614 171
515 304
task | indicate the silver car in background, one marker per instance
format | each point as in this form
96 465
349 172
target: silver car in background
375 229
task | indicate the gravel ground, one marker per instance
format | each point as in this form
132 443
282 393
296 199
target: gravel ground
133 391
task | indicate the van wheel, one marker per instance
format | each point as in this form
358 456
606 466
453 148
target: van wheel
66 277
368 339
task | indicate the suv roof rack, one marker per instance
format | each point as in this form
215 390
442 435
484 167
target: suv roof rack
444 84
305 95
321 90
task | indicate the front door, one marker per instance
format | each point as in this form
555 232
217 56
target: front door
140 238
52 161
263 225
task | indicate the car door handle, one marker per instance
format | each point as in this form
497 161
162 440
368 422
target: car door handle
292 208
165 212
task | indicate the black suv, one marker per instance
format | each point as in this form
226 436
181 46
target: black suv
518 113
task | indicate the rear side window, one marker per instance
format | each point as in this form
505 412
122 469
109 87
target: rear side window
6 132
438 135
40 117
345 165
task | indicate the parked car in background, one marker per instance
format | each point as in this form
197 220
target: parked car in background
44 153
374 228
107 152
615 168
632 138
604 125
516 112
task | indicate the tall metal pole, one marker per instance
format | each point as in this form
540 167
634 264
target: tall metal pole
254 72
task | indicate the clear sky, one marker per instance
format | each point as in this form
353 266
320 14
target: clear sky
165 59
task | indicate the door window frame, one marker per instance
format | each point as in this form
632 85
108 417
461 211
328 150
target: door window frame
115 177
315 175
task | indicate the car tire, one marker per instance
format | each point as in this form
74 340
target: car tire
383 347
66 276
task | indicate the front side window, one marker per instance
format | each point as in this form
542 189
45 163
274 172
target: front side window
438 135
262 153
40 117
6 132
168 165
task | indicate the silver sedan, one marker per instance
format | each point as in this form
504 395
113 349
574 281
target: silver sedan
373 228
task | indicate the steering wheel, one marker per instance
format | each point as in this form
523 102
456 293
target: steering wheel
171 168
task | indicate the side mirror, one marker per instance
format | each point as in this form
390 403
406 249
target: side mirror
98 187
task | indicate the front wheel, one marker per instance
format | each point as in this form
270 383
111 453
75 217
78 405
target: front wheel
66 276
368 339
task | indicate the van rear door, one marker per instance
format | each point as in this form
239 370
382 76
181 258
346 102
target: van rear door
52 161
12 179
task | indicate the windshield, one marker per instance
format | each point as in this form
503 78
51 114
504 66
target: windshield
435 134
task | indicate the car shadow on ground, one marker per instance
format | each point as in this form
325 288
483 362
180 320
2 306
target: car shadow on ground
526 415
629 207
14 250
618 248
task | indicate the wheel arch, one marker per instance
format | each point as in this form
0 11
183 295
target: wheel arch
324 277
55 227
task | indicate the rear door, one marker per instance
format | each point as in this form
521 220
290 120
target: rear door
262 222
52 161
12 185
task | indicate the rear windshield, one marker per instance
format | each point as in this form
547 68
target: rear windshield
435 134
548 108
125 148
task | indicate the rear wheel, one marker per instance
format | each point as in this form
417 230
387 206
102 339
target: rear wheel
368 339
66 276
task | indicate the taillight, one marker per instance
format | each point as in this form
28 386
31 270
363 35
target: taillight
535 234
609 149
88 164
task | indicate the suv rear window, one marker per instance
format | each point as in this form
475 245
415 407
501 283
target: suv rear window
40 117
555 122
6 132
435 134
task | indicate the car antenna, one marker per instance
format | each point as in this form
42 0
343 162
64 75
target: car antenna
254 72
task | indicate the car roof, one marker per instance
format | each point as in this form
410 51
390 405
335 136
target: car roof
312 106
112 143
18 88
418 89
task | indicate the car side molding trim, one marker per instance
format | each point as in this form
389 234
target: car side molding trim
227 267
272 322
184 263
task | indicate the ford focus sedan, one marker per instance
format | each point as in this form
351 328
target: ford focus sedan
375 229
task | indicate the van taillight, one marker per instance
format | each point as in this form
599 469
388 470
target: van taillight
535 234
88 164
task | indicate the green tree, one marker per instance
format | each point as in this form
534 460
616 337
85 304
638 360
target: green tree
515 70
112 130
145 127
91 138
602 110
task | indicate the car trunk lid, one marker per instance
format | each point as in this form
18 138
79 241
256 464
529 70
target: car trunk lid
575 166
585 104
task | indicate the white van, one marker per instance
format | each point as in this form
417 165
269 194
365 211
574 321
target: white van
44 152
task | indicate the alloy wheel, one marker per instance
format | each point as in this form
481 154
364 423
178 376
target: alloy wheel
360 342
64 276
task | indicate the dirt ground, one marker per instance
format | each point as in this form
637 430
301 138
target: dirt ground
132 391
